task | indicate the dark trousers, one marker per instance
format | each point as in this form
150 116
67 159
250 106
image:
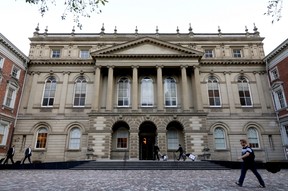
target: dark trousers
252 167
156 156
27 156
181 155
9 157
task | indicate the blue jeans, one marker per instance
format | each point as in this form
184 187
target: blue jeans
252 167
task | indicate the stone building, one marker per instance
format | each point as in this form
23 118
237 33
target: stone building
13 66
115 95
277 66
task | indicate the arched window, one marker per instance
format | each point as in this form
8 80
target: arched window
49 91
213 91
123 92
170 92
244 91
253 138
122 138
172 138
219 137
80 91
41 138
147 92
74 138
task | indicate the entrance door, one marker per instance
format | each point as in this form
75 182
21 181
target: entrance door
147 137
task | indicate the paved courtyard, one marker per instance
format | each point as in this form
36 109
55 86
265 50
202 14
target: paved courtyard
137 180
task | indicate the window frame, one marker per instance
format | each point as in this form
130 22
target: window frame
84 54
208 53
5 125
52 83
122 133
250 138
277 101
56 53
274 74
15 72
147 83
244 91
83 81
74 139
38 142
223 138
126 100
237 53
213 80
168 82
172 138
10 86
2 59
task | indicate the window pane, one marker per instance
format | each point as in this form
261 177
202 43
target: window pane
244 92
219 136
41 138
75 137
253 138
170 92
172 139
80 91
124 92
49 92
147 94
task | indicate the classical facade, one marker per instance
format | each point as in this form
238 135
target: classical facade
115 95
13 66
277 64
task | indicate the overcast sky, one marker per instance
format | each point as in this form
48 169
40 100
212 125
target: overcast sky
19 19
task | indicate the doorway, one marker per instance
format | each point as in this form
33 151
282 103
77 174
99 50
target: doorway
147 140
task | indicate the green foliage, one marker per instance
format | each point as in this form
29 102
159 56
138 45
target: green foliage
274 9
78 8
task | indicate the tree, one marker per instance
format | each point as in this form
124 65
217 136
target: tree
78 8
274 9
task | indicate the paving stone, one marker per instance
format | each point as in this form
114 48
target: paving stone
138 180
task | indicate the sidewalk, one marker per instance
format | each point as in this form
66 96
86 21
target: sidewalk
138 180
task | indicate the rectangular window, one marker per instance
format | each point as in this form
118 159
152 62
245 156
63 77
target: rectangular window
10 97
208 53
41 140
274 74
237 53
172 138
279 99
84 54
15 72
1 62
122 139
55 53
3 132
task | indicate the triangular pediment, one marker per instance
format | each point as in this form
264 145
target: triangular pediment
146 47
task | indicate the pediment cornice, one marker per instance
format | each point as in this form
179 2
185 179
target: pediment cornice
117 50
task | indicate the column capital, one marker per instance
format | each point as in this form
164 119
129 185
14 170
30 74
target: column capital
97 66
183 66
112 66
227 72
133 66
66 72
159 66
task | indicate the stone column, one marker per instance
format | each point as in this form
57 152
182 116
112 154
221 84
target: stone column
63 93
261 92
230 92
97 78
160 95
199 103
32 92
185 105
134 145
109 96
135 88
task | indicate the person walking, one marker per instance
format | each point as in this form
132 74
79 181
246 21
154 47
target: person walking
181 153
28 154
10 154
248 158
156 152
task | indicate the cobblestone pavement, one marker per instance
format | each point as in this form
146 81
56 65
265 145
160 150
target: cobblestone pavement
138 180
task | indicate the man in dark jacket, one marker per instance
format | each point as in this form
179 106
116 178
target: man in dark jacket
248 163
156 152
181 153
10 155
28 153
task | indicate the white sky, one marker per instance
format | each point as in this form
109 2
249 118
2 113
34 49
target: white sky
19 19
